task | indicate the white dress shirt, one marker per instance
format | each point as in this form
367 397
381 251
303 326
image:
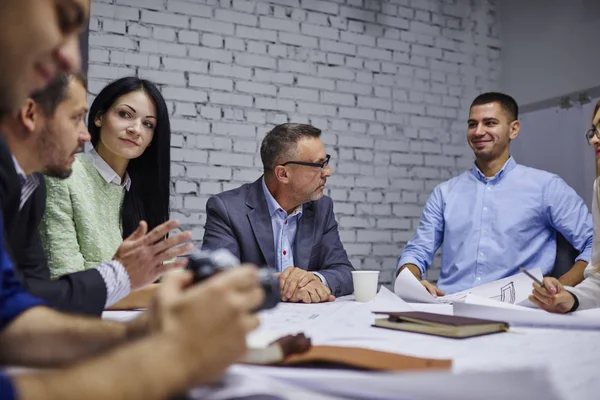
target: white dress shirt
109 174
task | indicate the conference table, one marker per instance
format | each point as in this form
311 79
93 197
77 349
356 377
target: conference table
523 363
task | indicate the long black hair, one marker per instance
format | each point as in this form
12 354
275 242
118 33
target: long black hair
148 196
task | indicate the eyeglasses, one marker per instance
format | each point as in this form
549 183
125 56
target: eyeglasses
310 164
589 135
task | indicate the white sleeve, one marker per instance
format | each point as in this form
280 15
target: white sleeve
116 280
588 292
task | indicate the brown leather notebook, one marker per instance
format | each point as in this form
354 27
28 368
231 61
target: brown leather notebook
361 359
298 351
450 326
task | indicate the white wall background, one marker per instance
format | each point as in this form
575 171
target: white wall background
550 48
553 139
389 82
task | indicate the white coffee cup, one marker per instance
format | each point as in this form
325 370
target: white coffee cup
365 285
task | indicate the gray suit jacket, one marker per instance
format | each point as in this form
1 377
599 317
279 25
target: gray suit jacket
239 221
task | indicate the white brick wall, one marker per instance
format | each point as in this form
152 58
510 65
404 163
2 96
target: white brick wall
388 81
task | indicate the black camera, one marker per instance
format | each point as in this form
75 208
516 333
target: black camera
205 264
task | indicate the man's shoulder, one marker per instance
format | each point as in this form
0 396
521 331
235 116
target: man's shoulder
234 196
452 182
539 175
537 179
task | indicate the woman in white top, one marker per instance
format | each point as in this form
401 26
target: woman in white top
555 297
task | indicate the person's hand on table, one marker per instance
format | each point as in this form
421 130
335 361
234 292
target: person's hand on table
432 289
314 292
293 278
552 297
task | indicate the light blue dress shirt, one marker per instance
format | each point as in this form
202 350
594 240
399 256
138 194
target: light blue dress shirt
490 227
284 232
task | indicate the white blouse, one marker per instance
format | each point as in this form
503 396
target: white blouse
109 175
588 291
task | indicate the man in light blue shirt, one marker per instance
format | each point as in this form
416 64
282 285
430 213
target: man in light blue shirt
498 216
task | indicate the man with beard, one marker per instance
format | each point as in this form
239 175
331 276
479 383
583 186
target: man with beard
43 136
499 216
283 220
158 354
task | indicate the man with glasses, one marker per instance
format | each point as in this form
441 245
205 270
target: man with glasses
283 220
498 216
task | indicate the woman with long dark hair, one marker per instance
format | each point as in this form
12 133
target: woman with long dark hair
123 180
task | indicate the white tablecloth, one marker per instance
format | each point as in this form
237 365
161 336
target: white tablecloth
571 357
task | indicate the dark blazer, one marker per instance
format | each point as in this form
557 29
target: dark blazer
239 221
81 292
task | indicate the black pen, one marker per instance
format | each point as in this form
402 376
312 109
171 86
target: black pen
523 270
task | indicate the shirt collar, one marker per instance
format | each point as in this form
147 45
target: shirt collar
109 175
18 168
274 206
508 166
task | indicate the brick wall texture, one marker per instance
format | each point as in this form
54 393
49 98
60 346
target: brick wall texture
388 81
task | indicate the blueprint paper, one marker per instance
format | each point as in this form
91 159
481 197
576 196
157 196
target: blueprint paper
322 321
512 290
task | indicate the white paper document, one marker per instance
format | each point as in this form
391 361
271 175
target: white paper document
484 301
526 317
388 301
512 290
324 322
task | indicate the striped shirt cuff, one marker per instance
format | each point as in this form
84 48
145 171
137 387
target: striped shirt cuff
116 280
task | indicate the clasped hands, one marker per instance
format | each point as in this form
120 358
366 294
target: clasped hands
300 286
